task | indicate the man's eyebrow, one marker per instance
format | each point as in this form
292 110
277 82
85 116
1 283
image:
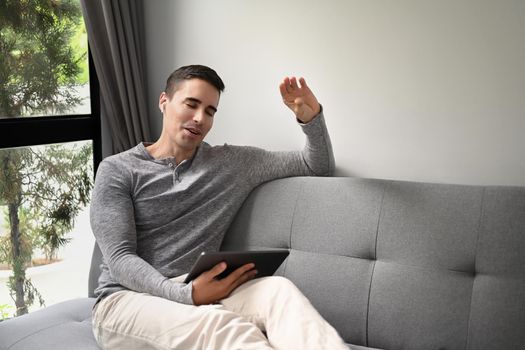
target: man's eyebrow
196 100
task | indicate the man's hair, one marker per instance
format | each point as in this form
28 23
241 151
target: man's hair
193 72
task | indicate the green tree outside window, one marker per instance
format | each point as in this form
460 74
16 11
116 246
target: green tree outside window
42 60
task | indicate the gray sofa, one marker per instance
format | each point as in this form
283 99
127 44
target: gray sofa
391 264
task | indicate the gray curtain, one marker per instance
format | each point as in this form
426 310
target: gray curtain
116 38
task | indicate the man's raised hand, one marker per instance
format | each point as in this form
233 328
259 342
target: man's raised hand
299 98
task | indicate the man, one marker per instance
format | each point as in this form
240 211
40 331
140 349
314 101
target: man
156 207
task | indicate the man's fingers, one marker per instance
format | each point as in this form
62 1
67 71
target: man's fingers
293 83
282 88
238 273
249 275
303 83
207 289
217 269
289 85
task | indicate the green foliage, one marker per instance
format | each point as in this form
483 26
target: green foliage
25 241
4 311
47 186
57 200
28 289
43 57
55 184
80 47
39 65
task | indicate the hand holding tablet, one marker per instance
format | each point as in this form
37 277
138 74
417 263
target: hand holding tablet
266 262
216 281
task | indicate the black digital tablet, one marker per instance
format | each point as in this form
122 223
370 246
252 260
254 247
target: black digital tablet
266 262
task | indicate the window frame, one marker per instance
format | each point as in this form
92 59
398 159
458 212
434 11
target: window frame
42 130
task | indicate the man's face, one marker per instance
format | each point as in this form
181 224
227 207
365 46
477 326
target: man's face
188 115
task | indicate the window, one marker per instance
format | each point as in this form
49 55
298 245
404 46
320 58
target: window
50 147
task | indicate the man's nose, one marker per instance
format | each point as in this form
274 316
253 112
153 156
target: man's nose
199 116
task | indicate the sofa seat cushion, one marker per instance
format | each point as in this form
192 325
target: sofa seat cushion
66 325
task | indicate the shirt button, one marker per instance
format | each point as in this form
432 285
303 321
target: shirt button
171 165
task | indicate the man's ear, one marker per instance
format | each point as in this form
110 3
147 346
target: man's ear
163 99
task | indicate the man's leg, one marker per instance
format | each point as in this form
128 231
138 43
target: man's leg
278 307
129 320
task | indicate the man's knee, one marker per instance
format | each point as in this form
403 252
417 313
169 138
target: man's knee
278 285
279 281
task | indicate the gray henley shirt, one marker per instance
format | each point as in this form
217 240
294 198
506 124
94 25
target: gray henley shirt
153 217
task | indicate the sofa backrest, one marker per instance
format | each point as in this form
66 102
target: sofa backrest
95 270
398 265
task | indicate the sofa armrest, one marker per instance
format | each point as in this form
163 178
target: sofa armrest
66 325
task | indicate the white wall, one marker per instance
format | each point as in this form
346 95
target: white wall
419 90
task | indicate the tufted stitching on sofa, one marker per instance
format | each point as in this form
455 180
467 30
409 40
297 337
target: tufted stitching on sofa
392 262
326 254
299 193
428 268
482 212
482 207
49 327
374 263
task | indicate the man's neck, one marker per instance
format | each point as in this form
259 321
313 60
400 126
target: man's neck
159 151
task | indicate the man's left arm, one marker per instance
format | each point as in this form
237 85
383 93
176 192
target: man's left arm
317 153
316 158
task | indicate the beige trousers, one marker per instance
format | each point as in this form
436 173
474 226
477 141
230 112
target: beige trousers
273 305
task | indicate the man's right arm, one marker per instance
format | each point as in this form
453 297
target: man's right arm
113 224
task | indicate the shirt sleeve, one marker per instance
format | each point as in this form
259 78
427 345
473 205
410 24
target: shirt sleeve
315 159
113 224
